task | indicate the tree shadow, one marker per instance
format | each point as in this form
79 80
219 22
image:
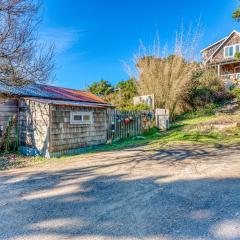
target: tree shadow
78 203
34 128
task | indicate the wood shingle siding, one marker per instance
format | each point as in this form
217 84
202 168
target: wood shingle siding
52 119
65 135
219 55
34 125
210 51
8 109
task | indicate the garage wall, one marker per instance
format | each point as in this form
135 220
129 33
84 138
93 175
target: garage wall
34 127
65 136
8 109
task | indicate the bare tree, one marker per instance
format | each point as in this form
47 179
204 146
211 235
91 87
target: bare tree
167 75
22 57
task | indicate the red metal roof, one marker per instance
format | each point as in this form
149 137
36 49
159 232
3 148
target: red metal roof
49 92
70 94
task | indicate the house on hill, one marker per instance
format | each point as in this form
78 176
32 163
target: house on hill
52 121
224 55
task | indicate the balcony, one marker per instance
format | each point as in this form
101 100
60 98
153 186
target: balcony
231 77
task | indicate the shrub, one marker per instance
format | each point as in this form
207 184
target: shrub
139 107
206 111
237 55
206 89
235 91
166 73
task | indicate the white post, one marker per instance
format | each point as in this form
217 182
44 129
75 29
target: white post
162 118
218 70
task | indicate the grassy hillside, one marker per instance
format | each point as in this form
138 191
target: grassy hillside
204 127
222 129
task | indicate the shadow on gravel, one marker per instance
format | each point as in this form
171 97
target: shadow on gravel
73 203
80 203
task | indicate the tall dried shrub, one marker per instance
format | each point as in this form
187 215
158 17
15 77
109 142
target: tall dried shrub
168 76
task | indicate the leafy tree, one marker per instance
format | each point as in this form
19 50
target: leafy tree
127 90
101 88
123 94
120 95
236 14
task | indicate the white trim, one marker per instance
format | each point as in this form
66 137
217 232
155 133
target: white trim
213 44
234 50
224 52
219 70
234 31
81 121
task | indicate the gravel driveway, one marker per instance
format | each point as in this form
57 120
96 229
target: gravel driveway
189 192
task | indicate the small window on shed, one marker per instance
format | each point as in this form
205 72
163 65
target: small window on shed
81 118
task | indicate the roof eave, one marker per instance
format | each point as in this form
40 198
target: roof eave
67 102
212 45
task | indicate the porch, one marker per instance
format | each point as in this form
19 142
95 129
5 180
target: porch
229 72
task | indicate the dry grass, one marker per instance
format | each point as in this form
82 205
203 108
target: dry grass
167 73
15 160
221 124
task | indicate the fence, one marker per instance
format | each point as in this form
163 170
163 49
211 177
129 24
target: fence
123 124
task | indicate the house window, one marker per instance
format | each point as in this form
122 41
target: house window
81 118
228 52
237 48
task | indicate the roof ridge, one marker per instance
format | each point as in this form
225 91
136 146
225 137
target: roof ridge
51 92
48 85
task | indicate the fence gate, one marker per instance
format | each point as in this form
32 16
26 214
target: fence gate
123 124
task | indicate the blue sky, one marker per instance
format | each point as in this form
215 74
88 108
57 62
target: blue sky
94 37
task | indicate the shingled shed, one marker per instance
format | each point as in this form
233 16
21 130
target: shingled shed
53 121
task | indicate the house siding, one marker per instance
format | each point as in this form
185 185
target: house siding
219 56
8 109
65 136
208 53
34 127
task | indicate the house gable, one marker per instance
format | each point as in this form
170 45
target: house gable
208 52
217 50
218 56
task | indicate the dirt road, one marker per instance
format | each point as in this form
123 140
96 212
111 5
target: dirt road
185 193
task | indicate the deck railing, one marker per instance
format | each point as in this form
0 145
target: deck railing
231 76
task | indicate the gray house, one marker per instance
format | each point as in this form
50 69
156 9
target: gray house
52 121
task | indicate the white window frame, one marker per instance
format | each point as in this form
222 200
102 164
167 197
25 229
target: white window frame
82 122
234 50
225 56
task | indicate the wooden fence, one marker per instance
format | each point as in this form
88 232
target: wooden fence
123 124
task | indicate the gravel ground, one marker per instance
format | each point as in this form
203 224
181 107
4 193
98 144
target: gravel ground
188 192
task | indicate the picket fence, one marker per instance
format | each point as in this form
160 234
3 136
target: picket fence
123 124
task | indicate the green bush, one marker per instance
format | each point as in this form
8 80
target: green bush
237 55
206 89
139 107
236 92
206 111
